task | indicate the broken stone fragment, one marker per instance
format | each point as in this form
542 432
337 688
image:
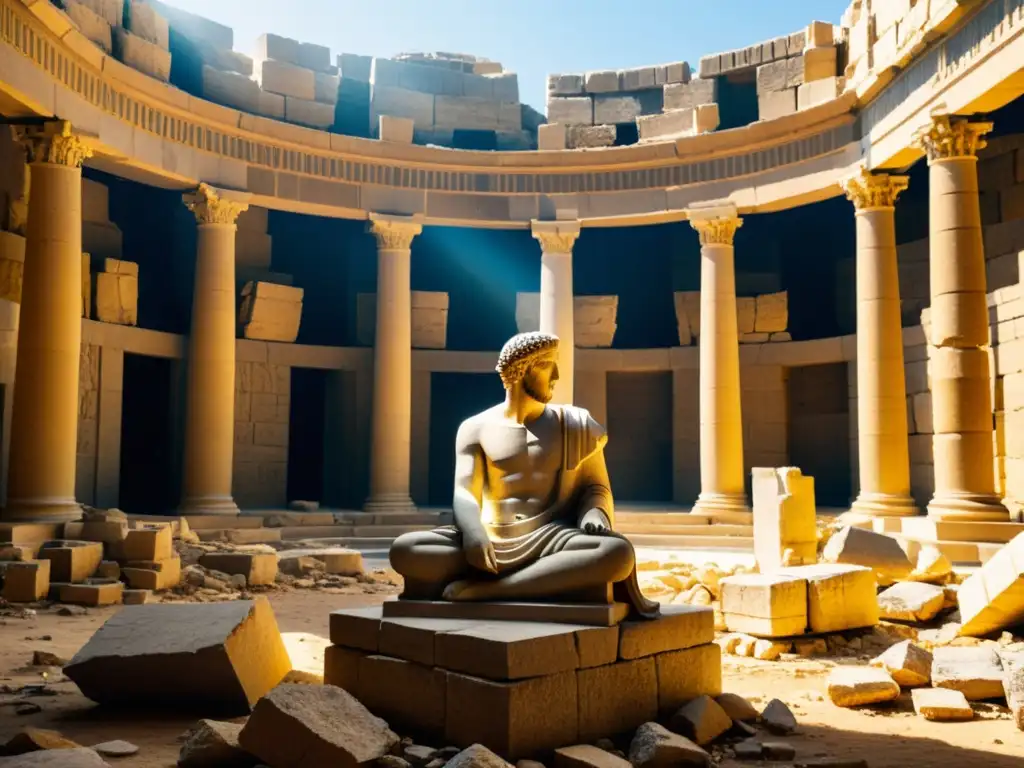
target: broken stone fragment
72 561
942 704
257 568
737 707
117 748
881 553
654 746
306 725
213 744
477 756
856 686
932 566
701 720
778 750
908 664
587 756
749 749
47 659
778 718
911 601
1013 688
769 650
975 672
214 655
35 739
58 758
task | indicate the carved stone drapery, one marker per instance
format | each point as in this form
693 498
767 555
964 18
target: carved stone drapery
394 233
952 137
212 206
56 143
871 191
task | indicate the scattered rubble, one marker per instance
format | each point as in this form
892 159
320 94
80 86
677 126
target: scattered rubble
881 553
213 744
941 704
911 601
855 686
908 664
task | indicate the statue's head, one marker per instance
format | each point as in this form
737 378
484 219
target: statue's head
530 360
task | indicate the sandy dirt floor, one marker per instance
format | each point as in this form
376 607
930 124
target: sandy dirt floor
889 737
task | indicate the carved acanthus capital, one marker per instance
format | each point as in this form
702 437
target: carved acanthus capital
56 143
214 206
717 230
952 137
394 233
556 236
868 191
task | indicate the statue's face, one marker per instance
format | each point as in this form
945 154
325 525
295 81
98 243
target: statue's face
539 381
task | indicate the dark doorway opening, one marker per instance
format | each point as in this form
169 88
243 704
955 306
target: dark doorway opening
306 435
626 134
466 138
819 430
737 100
456 396
147 484
639 451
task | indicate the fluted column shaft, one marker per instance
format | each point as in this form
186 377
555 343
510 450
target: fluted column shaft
44 424
210 388
881 379
723 493
959 335
391 419
557 310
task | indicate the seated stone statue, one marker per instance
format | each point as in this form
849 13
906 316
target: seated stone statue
533 504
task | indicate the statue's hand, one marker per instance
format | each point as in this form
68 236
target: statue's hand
480 554
595 522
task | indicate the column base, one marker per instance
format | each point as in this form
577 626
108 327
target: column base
871 505
390 504
41 511
968 507
724 507
209 505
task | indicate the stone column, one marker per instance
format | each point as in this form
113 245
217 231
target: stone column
210 383
959 336
723 494
884 448
556 297
44 423
391 416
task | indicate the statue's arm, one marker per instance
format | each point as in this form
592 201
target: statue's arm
469 483
595 490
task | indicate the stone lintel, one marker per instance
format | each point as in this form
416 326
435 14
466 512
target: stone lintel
710 210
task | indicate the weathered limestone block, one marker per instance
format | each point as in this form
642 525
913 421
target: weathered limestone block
278 48
308 112
584 756
565 85
671 124
908 664
785 517
993 598
12 266
692 94
153 575
72 561
217 655
772 313
613 109
573 110
284 79
270 312
142 19
1013 688
26 582
594 320
466 112
212 743
116 298
708 118
507 652
881 553
685 674
617 698
111 11
344 562
396 129
764 605
136 596
911 601
429 319
149 544
383 685
839 597
701 720
315 57
688 313
678 627
140 54
296 725
91 24
976 672
91 595
783 75
942 704
552 137
746 309
855 686
605 81
820 63
775 104
401 102
819 92
258 567
591 136
654 746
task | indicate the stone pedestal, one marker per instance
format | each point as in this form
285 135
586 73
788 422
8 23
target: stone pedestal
522 688
556 297
959 334
881 386
722 494
391 419
44 427
210 406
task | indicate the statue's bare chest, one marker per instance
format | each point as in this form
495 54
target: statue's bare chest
516 449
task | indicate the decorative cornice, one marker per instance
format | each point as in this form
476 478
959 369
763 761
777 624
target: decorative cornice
556 236
952 137
718 230
394 233
212 206
869 191
55 143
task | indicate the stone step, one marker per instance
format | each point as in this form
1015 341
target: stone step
720 529
688 519
736 543
924 528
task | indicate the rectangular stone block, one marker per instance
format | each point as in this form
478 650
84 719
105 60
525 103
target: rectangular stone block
91 595
396 129
315 57
781 75
839 597
776 104
673 124
552 137
591 136
142 55
616 698
772 313
746 311
270 312
341 668
686 675
26 582
91 24
258 568
408 696
819 64
605 81
352 66
819 92
594 320
678 627
231 89
785 517
521 719
148 544
142 19
687 95
111 11
507 650
400 102
357 628
312 114
466 113
820 34
765 605
976 672
284 79
327 86
565 85
573 110
72 561
277 48
993 597
677 72
611 110
116 298
12 265
156 575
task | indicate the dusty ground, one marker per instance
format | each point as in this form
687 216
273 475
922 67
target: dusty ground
889 738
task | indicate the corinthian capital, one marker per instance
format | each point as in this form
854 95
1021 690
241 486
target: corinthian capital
715 223
394 233
216 206
54 142
868 191
952 137
556 236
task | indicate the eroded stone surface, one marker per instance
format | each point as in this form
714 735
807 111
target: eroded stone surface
587 756
856 686
907 663
476 756
881 553
213 744
702 720
975 672
941 704
654 746
911 601
737 707
778 718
